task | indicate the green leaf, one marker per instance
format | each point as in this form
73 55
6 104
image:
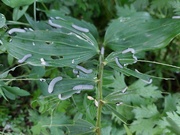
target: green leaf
106 130
161 4
126 10
113 81
42 25
145 112
170 102
145 127
5 74
125 59
141 4
146 91
129 72
65 86
59 16
19 12
138 93
14 91
2 93
170 123
81 127
176 6
127 130
140 32
111 108
49 124
175 128
55 47
17 3
2 20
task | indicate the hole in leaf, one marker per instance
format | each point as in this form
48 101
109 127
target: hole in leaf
57 57
48 42
111 88
20 8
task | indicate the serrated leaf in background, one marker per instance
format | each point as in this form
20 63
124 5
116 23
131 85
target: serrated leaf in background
171 102
149 111
146 90
125 11
48 124
145 127
114 81
170 123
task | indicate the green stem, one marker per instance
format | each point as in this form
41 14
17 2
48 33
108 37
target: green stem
35 11
99 92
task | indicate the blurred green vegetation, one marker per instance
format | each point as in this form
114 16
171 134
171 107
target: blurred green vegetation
25 115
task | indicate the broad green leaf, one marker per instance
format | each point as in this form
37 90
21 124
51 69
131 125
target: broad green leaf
81 127
17 3
2 20
140 32
13 92
42 25
129 72
2 94
62 18
65 86
19 12
16 91
125 59
64 47
5 74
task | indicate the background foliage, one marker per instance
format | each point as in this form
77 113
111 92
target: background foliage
143 109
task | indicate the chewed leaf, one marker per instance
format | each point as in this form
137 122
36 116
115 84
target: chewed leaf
85 26
145 34
53 47
126 71
65 88
123 59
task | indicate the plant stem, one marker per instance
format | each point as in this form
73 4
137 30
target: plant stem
99 91
35 11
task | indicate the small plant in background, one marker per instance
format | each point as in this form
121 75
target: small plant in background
81 82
